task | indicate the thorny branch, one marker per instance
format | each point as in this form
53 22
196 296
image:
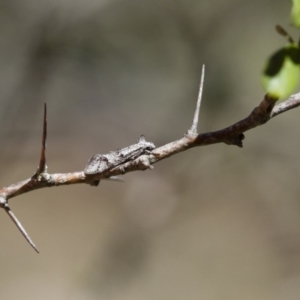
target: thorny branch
142 155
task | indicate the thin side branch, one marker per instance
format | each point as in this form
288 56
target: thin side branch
284 33
143 154
291 103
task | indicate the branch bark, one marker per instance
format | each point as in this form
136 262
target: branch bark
143 155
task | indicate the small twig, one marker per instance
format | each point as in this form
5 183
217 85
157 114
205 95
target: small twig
194 128
292 102
284 33
20 227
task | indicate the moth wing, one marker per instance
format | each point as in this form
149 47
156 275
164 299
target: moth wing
97 164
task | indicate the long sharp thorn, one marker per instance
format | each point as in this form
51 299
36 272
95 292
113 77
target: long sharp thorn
42 165
20 227
193 129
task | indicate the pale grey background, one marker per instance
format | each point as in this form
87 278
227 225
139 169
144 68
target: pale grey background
216 222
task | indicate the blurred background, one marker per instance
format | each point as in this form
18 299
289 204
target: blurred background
217 222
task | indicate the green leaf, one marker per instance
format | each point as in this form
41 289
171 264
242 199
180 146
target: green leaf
295 14
281 74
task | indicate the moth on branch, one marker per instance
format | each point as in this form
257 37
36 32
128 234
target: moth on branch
102 163
143 154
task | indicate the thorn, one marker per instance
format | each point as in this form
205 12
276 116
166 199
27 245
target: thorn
20 227
42 166
193 129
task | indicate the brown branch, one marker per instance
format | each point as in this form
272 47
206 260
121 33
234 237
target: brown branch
142 155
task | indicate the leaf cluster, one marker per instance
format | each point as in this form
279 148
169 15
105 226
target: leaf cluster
282 71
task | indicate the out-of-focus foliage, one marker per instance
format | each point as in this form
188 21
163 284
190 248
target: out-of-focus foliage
281 75
295 14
